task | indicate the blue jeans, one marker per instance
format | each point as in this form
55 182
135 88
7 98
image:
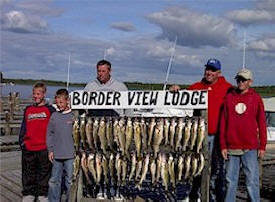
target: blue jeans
59 165
250 166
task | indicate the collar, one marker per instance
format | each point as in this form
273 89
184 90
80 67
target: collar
105 84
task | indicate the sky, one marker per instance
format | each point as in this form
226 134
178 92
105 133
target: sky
37 38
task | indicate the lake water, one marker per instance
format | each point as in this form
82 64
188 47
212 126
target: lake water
25 91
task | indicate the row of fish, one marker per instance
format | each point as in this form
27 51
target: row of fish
139 134
165 170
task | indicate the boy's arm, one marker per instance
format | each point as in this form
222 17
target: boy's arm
50 134
22 131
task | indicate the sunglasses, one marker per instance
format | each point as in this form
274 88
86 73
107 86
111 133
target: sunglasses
241 79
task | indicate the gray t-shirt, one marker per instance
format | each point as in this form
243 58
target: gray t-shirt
111 85
59 135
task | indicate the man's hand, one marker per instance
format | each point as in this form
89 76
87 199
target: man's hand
50 155
261 154
174 88
224 154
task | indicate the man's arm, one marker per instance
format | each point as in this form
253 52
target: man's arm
22 131
223 126
50 137
262 128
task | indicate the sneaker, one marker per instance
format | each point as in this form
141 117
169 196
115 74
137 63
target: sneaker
42 199
28 198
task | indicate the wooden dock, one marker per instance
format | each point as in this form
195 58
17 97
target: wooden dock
11 186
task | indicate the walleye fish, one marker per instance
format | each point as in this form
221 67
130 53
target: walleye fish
158 136
158 174
144 171
89 132
144 135
180 168
128 135
76 165
164 172
194 133
187 166
121 135
91 165
76 134
187 134
112 167
118 165
137 137
171 171
201 165
151 130
95 131
172 131
98 168
105 169
179 132
194 164
85 168
166 131
82 131
153 169
102 135
138 169
124 171
201 134
133 165
109 134
116 131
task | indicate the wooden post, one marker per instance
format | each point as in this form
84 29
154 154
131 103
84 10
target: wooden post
7 126
205 176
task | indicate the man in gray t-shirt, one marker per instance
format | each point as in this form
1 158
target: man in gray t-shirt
105 82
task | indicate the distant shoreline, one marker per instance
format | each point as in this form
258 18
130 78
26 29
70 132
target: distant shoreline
265 91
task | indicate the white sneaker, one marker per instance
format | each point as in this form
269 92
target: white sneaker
43 199
28 198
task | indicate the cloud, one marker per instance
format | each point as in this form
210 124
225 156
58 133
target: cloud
123 26
264 47
192 28
246 17
263 13
17 21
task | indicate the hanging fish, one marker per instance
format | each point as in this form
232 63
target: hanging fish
179 134
158 136
153 169
180 168
98 168
95 131
102 135
89 132
121 135
201 165
144 136
85 167
151 131
137 137
91 165
187 134
133 165
109 133
164 172
76 135
171 171
76 165
112 167
194 164
166 131
194 133
82 131
172 131
201 134
129 136
144 171
159 161
138 169
187 166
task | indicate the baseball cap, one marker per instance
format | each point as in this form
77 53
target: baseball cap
245 73
214 63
